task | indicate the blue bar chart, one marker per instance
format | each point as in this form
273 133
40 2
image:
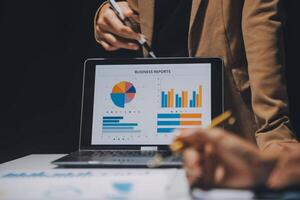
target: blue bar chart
168 122
171 99
114 124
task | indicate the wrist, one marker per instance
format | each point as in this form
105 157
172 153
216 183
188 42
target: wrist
278 148
286 172
266 165
105 3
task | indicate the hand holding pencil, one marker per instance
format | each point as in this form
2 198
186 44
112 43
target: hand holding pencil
178 145
216 158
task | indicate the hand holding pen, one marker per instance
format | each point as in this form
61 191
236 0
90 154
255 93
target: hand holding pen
115 30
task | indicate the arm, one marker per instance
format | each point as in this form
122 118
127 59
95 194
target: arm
263 38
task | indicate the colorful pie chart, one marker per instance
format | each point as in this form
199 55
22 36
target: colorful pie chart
122 93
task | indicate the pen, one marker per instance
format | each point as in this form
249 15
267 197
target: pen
126 21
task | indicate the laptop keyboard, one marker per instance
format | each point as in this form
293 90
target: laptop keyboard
119 157
123 153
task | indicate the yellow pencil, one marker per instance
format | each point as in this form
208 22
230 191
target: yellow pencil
177 145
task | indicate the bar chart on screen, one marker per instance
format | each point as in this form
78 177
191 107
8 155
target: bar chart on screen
114 124
181 105
182 99
169 122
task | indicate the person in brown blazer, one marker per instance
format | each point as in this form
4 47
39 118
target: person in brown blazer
247 34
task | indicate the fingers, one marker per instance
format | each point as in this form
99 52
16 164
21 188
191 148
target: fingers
201 166
285 179
287 171
116 42
192 165
209 165
125 8
228 147
225 156
111 23
107 46
112 33
229 161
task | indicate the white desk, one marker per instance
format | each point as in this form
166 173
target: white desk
31 162
38 176
151 179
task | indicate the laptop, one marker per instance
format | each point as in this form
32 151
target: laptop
132 108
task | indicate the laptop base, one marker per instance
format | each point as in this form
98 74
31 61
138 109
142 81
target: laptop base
116 159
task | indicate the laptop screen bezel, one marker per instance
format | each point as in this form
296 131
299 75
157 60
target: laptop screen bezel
86 121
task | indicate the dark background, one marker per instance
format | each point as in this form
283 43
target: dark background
43 44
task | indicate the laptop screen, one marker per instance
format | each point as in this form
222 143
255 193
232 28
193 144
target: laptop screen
140 104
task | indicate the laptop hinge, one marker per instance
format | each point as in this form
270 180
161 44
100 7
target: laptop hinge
149 148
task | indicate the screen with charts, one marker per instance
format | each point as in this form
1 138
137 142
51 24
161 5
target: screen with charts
145 104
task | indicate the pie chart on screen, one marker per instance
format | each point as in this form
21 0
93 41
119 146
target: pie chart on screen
122 93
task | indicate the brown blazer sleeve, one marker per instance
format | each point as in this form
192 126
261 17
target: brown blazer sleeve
262 32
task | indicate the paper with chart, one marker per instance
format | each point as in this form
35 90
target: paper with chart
93 184
145 104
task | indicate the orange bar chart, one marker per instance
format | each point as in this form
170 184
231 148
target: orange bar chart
182 99
168 122
200 96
